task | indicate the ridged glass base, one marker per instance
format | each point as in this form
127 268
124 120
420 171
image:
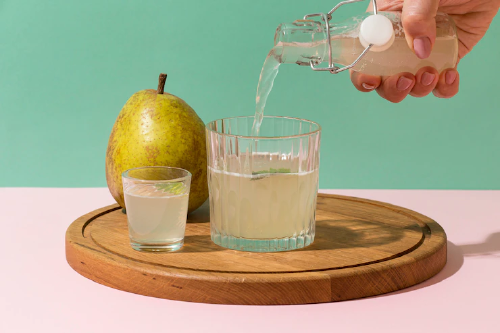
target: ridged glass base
157 247
262 245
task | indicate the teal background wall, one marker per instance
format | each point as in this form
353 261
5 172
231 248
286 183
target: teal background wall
67 68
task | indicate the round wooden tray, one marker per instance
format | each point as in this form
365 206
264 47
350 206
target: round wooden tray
362 248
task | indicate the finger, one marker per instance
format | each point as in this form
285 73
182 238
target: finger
395 88
365 83
425 82
419 24
448 84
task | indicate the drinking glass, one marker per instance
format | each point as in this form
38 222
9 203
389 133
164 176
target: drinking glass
156 200
263 188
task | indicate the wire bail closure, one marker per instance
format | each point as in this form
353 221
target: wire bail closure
332 68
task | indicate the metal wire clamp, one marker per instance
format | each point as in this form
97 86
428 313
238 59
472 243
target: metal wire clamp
332 68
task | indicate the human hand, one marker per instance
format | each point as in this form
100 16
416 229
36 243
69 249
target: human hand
472 18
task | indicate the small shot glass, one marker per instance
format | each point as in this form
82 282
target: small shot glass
156 200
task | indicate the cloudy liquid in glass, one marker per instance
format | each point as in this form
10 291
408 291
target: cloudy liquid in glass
155 216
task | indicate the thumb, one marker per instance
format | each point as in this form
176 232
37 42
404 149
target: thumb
419 24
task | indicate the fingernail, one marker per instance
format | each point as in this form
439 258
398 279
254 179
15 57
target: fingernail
427 78
422 47
403 83
368 86
450 77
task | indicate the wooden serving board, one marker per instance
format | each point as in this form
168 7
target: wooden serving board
362 248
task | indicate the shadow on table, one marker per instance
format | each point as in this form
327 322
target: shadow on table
489 248
202 214
455 260
353 233
199 243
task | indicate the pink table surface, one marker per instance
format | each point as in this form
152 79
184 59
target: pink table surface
39 292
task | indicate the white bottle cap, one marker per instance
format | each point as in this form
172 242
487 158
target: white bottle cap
376 30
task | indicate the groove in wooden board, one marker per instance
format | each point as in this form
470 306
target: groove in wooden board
352 248
393 270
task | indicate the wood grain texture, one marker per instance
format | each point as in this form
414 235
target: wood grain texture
362 248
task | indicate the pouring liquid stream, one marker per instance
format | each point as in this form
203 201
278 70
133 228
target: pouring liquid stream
266 80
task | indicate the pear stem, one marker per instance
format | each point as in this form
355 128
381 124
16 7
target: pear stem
161 83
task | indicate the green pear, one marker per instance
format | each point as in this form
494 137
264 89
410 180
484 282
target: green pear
155 128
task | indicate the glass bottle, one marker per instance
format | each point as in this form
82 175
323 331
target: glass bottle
305 40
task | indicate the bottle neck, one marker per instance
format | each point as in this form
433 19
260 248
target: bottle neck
306 40
300 42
